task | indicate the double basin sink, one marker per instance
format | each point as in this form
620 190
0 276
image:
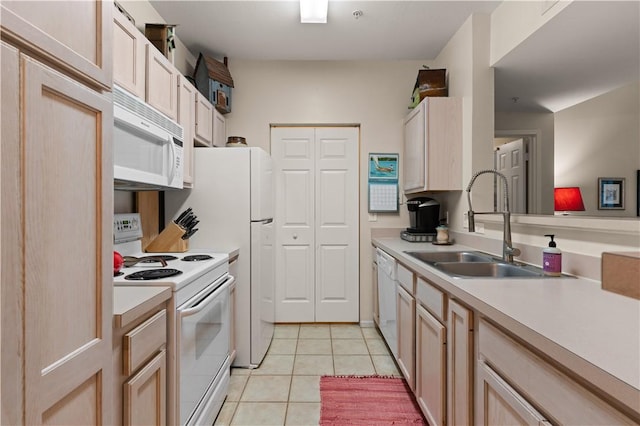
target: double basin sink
475 264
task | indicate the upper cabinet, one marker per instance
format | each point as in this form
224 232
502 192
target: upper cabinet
128 55
75 36
433 146
186 118
141 69
162 83
204 121
219 128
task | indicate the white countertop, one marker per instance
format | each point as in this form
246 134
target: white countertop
130 302
592 332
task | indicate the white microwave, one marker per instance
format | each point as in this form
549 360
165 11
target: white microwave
147 146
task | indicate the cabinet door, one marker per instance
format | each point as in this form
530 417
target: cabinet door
128 55
219 129
460 359
11 239
499 404
161 83
406 309
444 144
431 373
66 202
232 315
76 35
145 394
186 118
415 149
204 121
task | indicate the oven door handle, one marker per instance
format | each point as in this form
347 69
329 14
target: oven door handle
201 305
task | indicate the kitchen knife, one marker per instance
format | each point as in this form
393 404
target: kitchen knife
189 234
182 215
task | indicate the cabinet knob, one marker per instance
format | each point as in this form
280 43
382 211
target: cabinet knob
295 236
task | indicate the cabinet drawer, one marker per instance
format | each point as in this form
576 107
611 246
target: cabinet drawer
431 298
405 278
560 398
144 341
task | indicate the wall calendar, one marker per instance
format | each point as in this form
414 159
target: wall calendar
383 183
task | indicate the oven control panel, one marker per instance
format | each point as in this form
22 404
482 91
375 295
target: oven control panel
126 227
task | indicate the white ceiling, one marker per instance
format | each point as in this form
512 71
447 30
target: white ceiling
589 49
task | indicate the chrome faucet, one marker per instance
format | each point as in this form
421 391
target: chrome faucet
508 251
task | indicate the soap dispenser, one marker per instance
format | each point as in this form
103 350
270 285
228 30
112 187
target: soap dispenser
552 259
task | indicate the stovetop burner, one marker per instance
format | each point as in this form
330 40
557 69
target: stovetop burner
197 257
154 258
153 274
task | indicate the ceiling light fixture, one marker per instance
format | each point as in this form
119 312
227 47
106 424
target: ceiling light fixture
313 11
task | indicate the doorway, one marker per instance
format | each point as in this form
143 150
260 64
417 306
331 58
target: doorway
515 156
316 219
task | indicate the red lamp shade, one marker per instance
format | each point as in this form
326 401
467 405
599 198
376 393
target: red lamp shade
568 199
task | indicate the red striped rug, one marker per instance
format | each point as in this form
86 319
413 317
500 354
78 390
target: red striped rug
367 400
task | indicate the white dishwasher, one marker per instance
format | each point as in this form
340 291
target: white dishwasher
387 282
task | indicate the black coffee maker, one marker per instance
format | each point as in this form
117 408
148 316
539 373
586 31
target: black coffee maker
424 217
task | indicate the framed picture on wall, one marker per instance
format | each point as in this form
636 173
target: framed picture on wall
610 193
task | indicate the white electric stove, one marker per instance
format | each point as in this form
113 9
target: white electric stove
198 324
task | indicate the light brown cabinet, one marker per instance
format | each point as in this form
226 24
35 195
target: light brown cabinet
557 397
186 118
433 146
503 405
406 322
219 129
460 362
431 366
141 69
204 121
161 82
140 364
128 55
56 160
75 36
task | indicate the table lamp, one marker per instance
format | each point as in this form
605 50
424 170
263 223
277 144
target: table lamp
567 200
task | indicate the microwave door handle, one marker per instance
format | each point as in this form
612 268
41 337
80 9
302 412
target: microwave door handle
201 305
172 163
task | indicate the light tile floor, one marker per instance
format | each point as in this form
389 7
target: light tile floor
285 389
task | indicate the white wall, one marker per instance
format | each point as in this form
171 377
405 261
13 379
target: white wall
374 95
600 138
513 21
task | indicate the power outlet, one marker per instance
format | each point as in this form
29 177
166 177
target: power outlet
479 228
373 217
465 220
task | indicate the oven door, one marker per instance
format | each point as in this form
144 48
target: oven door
203 340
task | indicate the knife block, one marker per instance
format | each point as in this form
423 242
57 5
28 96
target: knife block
169 241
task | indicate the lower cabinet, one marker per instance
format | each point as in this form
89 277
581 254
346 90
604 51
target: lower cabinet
406 313
374 289
431 367
140 359
555 395
500 404
460 364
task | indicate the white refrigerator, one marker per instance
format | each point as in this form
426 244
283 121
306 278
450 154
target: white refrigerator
233 199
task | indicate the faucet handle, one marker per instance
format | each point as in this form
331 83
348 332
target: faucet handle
513 251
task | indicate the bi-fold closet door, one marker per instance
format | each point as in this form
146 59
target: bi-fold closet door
317 266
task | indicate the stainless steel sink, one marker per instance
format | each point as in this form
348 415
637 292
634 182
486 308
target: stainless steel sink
450 256
489 269
475 264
